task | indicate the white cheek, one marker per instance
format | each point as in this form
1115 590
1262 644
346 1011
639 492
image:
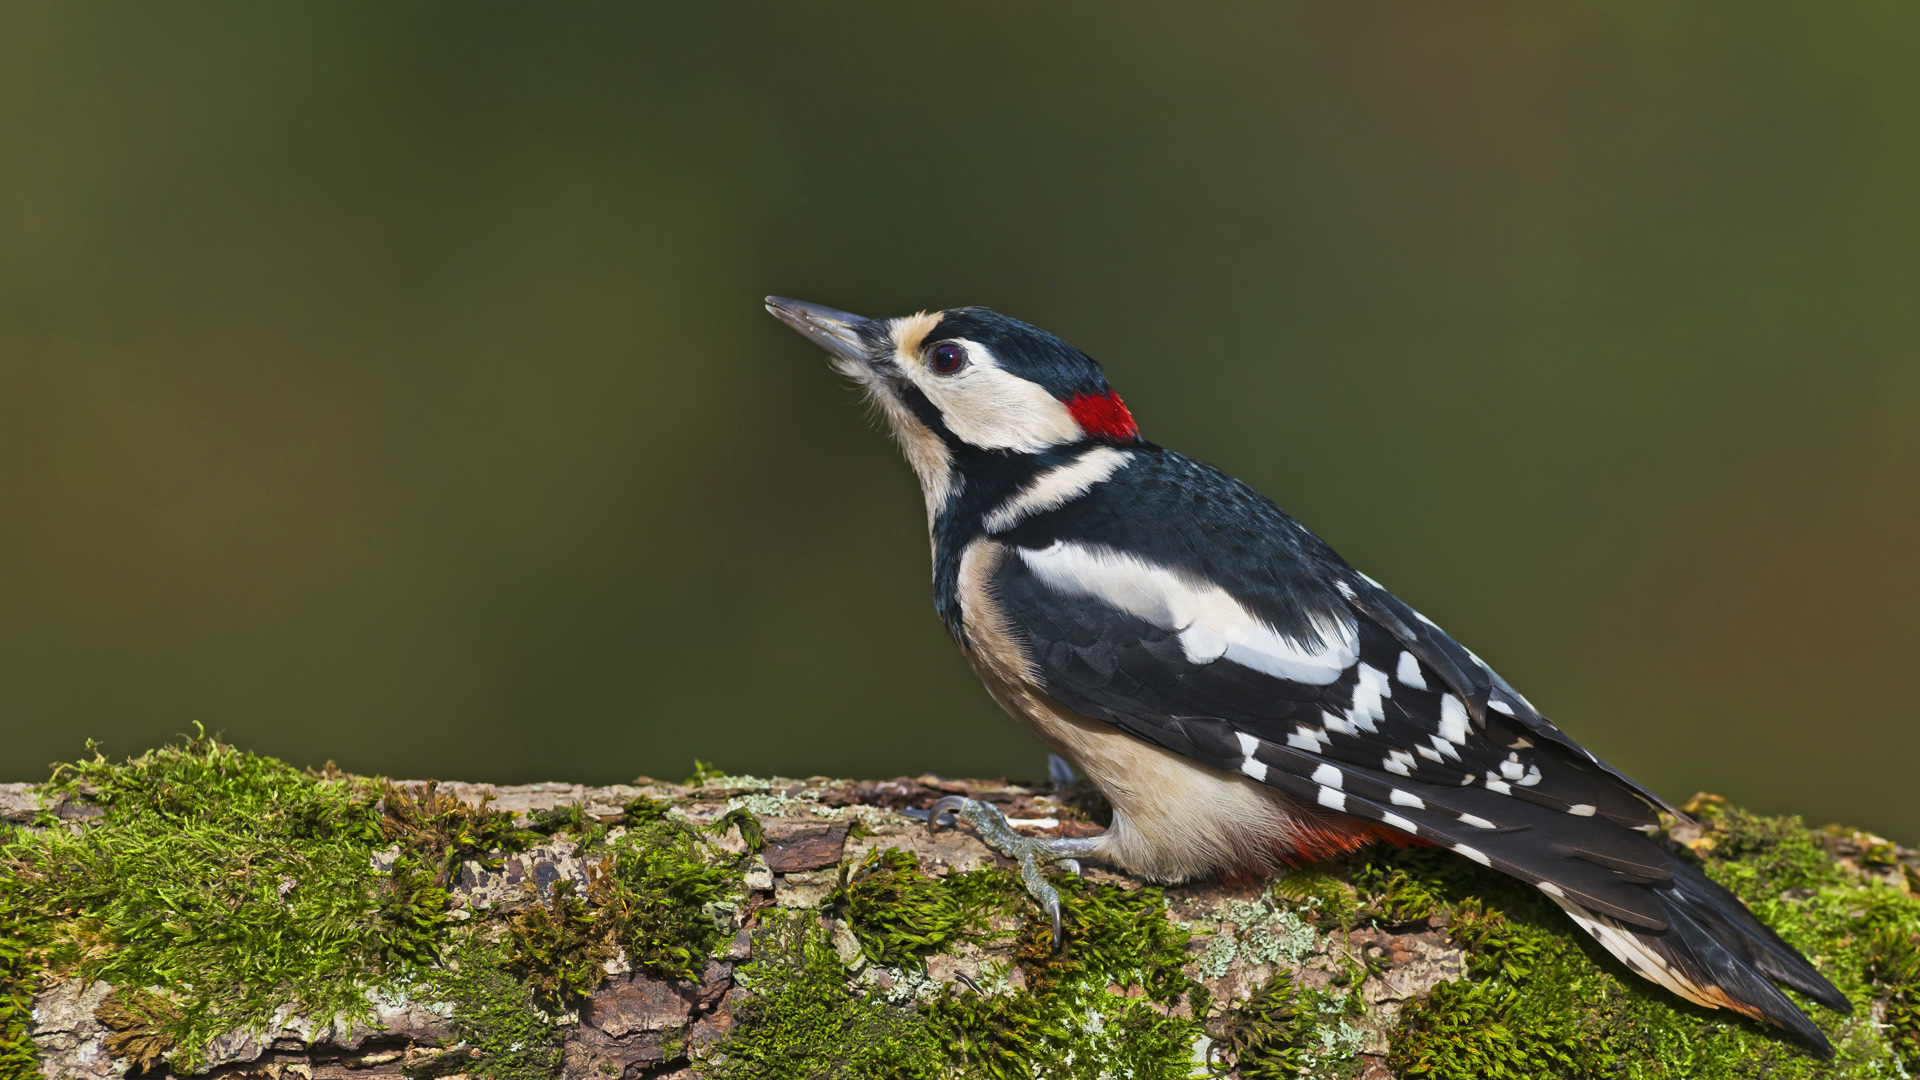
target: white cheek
992 408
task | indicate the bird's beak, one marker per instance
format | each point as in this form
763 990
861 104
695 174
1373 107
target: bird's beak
841 333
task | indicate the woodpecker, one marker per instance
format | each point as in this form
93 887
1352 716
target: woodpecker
1241 695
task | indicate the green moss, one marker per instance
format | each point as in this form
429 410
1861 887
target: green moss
412 916
1282 1032
668 894
1114 935
1078 1031
1759 856
801 1020
1893 965
1259 1037
496 1012
245 887
664 893
571 818
560 947
438 832
1321 897
1407 889
19 979
1075 1036
900 915
241 884
1483 1031
1065 1022
1059 1017
741 818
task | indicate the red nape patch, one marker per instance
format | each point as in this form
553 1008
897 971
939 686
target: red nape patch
1103 416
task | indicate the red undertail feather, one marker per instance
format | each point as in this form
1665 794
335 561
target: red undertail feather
1319 842
1104 416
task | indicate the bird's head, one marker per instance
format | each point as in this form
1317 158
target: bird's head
967 385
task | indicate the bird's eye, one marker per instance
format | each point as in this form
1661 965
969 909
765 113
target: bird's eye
948 359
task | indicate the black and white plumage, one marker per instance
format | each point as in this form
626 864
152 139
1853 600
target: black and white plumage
1239 693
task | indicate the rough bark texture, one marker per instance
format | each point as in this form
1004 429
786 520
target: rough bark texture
1311 975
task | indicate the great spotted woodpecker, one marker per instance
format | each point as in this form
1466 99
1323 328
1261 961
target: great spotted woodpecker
1241 695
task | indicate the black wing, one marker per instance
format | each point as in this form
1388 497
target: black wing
1387 739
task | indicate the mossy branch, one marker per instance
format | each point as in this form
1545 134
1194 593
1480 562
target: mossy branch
198 909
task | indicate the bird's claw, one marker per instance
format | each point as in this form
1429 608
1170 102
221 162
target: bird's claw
1032 854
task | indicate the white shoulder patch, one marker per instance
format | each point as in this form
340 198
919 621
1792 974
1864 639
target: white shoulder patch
1058 486
1211 624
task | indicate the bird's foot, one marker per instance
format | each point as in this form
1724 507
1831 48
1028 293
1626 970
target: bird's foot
1032 853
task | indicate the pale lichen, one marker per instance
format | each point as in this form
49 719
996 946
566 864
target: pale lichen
1262 932
760 804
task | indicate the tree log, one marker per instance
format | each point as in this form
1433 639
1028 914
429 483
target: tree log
203 912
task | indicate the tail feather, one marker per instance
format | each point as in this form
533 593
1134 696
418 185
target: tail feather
1729 920
1715 953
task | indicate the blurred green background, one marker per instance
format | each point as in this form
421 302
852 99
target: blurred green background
388 383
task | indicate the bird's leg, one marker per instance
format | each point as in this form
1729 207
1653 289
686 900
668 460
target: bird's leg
1032 853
